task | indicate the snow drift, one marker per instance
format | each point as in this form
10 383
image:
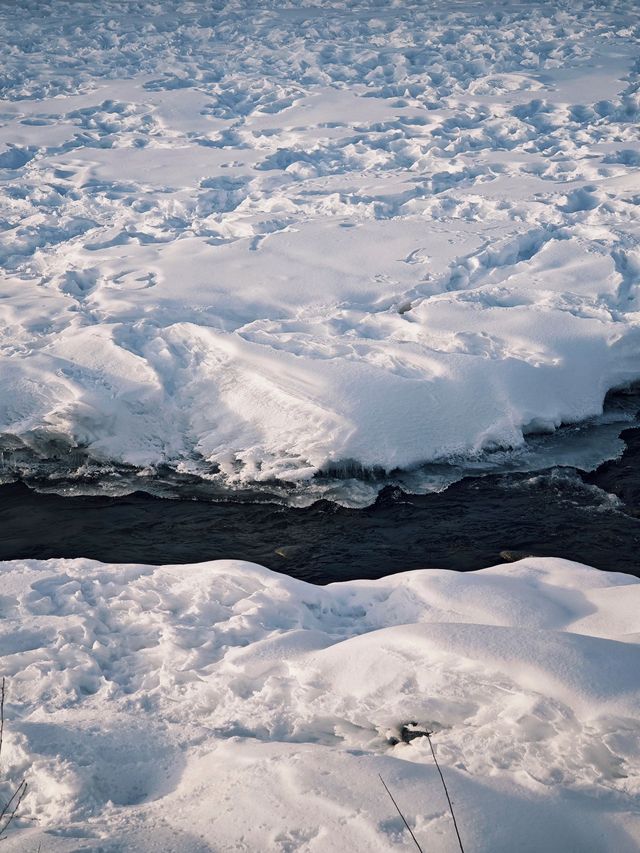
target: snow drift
221 706
258 242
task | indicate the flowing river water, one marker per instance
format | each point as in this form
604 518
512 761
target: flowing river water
478 521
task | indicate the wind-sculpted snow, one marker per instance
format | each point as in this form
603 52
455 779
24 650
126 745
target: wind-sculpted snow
259 242
221 706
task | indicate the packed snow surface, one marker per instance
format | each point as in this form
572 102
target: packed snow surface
258 240
224 707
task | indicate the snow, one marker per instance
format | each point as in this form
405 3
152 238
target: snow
222 706
258 241
272 244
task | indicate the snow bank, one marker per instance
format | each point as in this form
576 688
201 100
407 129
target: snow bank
221 706
264 241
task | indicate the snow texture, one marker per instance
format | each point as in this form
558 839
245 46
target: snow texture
257 241
224 707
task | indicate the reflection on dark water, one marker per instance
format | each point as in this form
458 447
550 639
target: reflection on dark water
476 522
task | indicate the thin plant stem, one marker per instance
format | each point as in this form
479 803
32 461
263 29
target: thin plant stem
20 791
7 814
444 785
400 813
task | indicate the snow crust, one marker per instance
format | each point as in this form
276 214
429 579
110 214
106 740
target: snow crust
221 706
260 241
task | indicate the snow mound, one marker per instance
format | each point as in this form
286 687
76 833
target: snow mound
222 706
262 241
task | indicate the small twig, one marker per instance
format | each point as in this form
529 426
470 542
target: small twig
19 792
444 785
7 816
400 813
7 806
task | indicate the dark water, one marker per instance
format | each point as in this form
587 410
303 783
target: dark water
477 522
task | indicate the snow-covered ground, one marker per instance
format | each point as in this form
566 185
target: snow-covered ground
258 242
264 240
223 707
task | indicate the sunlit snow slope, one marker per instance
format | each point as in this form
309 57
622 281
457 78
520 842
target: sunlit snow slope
263 240
223 707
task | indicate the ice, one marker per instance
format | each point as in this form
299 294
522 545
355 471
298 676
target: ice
222 706
262 242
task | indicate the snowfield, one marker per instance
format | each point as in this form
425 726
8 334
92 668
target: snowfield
270 243
257 241
224 707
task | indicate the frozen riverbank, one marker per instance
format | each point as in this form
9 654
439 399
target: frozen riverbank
258 245
221 706
555 497
474 523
